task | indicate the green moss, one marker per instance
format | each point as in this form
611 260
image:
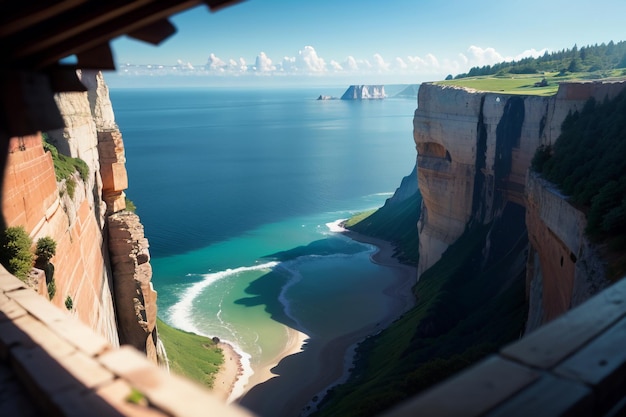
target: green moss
194 356
65 166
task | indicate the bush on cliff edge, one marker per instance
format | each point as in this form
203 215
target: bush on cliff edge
15 252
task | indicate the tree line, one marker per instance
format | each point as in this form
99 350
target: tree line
590 58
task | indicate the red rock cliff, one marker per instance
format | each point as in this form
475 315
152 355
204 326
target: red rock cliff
80 224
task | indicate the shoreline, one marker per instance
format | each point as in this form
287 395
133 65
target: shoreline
325 368
230 371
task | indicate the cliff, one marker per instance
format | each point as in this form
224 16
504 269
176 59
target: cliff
474 149
107 281
364 92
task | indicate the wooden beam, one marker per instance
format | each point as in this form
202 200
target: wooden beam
105 31
30 14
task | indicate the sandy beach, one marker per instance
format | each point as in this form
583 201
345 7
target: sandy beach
307 375
229 372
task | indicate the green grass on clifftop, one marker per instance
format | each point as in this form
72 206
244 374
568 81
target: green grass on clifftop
525 83
196 357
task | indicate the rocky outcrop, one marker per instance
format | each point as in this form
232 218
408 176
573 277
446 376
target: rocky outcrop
78 221
474 150
135 298
364 92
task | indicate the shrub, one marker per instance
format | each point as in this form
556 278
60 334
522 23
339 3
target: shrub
69 303
46 248
52 289
130 206
15 252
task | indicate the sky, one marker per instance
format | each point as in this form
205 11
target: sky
338 42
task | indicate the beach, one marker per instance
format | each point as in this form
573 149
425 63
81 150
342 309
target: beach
306 374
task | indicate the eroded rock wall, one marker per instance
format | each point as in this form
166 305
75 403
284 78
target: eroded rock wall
135 297
79 222
474 151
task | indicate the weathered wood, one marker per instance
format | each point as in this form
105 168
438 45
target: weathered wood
549 396
471 393
557 340
601 364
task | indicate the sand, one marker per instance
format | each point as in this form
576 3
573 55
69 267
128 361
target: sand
324 365
229 372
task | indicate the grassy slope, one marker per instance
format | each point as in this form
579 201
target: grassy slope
397 224
196 357
463 312
523 83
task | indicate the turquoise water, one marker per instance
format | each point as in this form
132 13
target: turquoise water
238 191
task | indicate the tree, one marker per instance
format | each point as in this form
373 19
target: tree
15 253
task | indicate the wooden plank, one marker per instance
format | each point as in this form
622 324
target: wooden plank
601 364
471 393
557 340
96 35
549 396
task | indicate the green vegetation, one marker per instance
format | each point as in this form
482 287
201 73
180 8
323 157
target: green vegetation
52 289
597 59
587 162
69 303
65 166
196 357
136 397
541 76
46 248
395 223
130 206
15 252
464 311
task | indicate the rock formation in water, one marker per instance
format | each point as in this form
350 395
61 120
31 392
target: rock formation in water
364 92
101 262
474 150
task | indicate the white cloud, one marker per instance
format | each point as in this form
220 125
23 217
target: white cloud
379 63
263 63
400 63
308 61
351 64
336 66
215 63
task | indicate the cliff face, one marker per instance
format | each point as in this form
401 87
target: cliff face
81 223
474 150
364 92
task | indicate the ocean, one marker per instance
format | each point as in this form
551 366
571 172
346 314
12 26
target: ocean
240 192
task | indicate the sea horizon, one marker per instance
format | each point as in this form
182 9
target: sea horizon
238 192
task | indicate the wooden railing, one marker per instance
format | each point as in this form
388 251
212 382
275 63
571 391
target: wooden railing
53 365
572 366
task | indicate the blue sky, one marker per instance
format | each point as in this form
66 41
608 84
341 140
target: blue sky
364 41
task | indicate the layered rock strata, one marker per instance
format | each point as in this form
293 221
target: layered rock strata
474 150
134 295
78 221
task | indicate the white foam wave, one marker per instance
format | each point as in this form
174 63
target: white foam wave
181 312
181 317
336 226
